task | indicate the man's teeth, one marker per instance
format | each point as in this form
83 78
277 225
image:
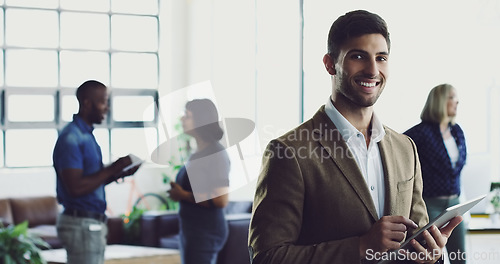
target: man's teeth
368 84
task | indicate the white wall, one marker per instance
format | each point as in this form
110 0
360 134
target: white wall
251 57
433 42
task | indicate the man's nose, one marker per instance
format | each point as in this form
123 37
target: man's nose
371 68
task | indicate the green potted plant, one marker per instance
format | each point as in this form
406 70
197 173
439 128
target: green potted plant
495 196
176 162
132 226
494 199
18 246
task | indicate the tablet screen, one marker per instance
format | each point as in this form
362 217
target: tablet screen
444 218
440 221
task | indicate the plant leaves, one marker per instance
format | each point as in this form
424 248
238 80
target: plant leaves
18 246
20 229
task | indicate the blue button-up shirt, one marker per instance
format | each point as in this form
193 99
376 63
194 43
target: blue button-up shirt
76 148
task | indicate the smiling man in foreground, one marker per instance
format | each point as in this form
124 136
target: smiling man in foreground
342 187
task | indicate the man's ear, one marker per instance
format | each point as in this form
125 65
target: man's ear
86 104
329 64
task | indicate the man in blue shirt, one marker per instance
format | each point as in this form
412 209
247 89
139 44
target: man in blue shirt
81 177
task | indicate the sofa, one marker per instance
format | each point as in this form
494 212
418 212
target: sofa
41 213
161 229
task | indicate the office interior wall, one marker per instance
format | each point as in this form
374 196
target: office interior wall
433 42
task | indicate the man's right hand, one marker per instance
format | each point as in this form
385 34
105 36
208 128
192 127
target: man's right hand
118 166
386 234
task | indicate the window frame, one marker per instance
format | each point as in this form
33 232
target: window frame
60 91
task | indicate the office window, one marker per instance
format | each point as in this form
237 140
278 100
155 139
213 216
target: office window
134 70
69 106
82 65
31 67
128 33
50 47
87 5
122 145
133 108
102 137
40 30
28 147
33 3
20 108
131 6
78 28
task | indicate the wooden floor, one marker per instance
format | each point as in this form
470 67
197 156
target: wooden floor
123 254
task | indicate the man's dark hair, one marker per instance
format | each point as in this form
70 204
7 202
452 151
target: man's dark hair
206 119
86 88
354 24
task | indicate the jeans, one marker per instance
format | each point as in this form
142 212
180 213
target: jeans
83 238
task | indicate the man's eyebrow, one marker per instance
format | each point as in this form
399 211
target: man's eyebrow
365 52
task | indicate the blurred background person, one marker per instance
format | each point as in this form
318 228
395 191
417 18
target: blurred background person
442 153
204 193
82 177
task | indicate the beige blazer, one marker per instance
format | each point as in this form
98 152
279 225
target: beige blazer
312 202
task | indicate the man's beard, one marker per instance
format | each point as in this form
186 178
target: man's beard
97 116
348 90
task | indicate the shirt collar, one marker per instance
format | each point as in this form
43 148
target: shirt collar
347 130
378 131
81 124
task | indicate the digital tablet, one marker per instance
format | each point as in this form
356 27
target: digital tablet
135 161
440 221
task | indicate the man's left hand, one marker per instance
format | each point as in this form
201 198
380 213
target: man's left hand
434 241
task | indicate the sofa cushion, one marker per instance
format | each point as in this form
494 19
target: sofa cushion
48 233
116 233
238 207
37 210
170 242
5 212
169 224
157 224
236 249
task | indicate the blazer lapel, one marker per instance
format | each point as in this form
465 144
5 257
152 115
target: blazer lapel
391 178
389 182
332 141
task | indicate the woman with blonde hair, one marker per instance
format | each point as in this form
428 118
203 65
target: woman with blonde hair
442 153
